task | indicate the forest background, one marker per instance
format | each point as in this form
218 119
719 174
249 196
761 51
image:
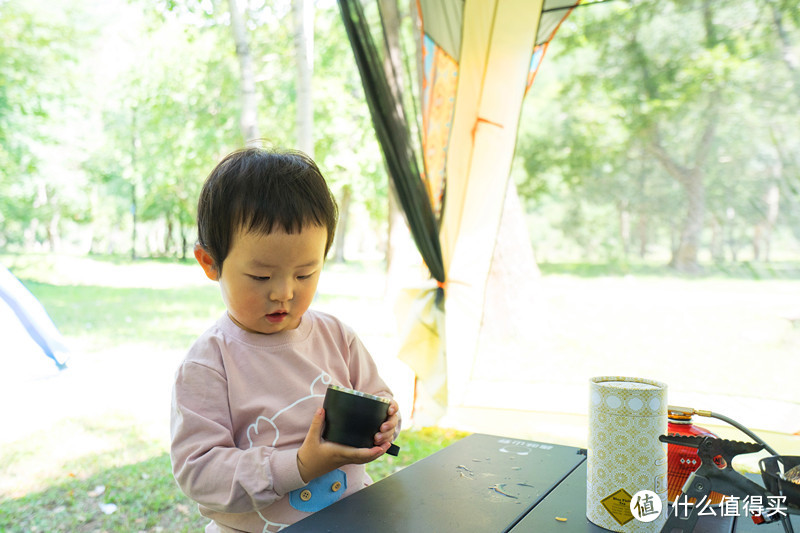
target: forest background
655 132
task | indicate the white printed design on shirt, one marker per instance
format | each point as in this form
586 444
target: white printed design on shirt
270 424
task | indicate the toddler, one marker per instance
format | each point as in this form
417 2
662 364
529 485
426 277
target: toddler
247 417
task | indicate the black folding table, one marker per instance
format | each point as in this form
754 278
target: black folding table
484 484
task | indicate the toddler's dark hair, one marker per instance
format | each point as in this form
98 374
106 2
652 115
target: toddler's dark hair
258 190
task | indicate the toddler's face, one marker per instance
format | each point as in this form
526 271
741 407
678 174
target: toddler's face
268 281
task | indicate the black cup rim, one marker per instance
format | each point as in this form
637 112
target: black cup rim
359 393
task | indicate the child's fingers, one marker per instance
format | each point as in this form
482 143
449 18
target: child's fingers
385 435
390 424
309 460
365 455
350 455
315 429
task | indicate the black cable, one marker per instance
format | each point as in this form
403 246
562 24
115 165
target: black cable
785 520
744 430
709 414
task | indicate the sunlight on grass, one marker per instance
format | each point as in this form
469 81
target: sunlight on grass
101 304
139 484
104 421
62 269
107 316
129 322
73 448
143 496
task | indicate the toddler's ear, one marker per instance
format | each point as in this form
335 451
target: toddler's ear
206 261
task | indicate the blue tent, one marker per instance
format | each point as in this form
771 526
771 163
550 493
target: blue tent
31 316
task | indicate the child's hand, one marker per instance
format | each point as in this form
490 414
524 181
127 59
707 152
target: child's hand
317 456
389 427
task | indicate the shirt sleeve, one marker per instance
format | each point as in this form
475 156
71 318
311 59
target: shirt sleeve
206 462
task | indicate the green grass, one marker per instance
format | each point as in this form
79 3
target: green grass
110 303
746 270
49 478
596 316
95 315
143 490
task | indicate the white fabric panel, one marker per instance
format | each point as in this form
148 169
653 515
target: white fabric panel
443 24
497 42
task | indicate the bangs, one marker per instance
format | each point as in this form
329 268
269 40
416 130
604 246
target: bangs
289 202
262 191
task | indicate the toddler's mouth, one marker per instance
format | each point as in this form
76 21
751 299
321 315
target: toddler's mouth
277 316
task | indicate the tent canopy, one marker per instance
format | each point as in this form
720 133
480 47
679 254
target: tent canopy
479 58
24 319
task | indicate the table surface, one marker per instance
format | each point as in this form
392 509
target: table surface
480 484
483 484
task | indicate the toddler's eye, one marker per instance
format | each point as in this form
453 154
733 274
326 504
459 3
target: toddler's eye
260 278
304 277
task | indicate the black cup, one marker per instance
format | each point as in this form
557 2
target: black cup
352 417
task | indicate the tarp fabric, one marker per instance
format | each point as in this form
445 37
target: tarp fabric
479 58
32 317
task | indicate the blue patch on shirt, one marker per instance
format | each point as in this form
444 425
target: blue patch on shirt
320 492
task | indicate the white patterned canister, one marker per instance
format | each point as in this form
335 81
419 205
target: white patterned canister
625 457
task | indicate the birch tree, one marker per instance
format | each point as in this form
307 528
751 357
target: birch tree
249 115
303 22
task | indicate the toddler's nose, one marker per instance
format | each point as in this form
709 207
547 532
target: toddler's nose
281 291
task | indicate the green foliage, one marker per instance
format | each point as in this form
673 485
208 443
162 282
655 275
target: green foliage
129 106
624 80
345 144
170 120
147 102
37 78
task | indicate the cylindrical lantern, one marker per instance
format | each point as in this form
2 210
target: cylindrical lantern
625 457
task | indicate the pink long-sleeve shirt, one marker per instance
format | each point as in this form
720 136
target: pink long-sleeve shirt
242 404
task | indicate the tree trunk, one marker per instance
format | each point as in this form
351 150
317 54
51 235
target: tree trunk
685 258
53 236
762 234
717 245
134 144
391 62
249 118
624 226
729 231
184 240
690 178
641 222
642 231
134 221
168 236
303 19
341 230
690 175
788 54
